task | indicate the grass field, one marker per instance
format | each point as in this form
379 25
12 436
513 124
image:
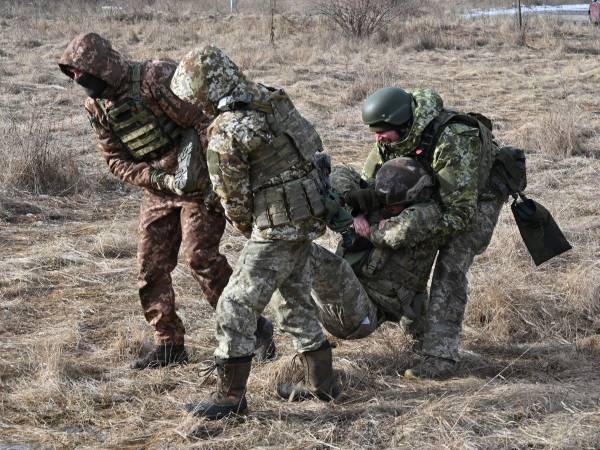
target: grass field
70 320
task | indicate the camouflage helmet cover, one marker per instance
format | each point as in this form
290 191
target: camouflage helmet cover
204 76
403 181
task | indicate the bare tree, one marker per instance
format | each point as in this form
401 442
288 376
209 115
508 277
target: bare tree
360 18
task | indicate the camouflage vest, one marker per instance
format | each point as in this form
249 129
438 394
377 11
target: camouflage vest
431 134
295 141
144 134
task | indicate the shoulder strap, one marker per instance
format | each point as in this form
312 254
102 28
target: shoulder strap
136 82
433 131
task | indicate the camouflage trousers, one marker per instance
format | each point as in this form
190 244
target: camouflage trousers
168 222
449 285
343 306
266 269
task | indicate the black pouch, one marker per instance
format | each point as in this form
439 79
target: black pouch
542 236
509 172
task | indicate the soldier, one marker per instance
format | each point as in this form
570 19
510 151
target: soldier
384 273
458 150
151 139
261 163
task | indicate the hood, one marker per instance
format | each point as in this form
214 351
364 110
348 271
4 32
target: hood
205 76
93 54
428 105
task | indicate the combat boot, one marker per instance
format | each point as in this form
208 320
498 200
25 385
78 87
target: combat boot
230 396
432 367
161 356
265 347
319 380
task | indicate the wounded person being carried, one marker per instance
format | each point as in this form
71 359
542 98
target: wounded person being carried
381 267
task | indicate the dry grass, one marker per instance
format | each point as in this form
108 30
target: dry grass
33 160
69 314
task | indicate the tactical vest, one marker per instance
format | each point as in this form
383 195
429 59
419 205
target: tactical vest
295 144
144 134
433 131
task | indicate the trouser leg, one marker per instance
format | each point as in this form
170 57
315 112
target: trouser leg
264 267
202 231
449 286
343 306
158 246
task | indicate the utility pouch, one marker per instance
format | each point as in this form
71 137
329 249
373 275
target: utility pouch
314 197
542 236
261 214
376 260
298 207
509 172
275 198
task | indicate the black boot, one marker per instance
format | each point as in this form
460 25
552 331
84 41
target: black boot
319 381
161 356
230 396
265 347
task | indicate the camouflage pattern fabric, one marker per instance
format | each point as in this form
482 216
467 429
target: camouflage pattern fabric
341 301
232 136
449 286
166 220
275 258
206 75
166 224
455 163
264 268
94 54
467 223
394 276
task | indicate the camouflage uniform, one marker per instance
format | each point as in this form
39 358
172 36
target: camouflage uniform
470 212
241 138
167 220
388 282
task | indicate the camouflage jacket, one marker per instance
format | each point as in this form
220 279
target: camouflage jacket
455 164
402 257
93 54
231 138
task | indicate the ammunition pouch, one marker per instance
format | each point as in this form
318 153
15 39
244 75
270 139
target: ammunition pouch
542 236
290 202
144 134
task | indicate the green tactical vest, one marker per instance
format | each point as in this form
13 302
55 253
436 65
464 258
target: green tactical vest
144 134
295 141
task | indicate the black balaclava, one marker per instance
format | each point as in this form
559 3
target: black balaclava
93 86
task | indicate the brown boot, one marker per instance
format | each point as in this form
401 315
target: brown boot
161 356
319 381
230 396
432 367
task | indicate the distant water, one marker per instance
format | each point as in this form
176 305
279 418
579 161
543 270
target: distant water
579 8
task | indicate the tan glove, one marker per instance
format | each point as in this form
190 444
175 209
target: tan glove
163 181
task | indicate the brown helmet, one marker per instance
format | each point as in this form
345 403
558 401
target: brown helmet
403 181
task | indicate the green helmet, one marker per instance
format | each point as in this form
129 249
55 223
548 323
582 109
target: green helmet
386 108
403 181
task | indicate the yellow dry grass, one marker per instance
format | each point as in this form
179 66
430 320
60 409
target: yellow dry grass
69 315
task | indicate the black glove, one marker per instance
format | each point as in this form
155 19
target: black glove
353 242
363 200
